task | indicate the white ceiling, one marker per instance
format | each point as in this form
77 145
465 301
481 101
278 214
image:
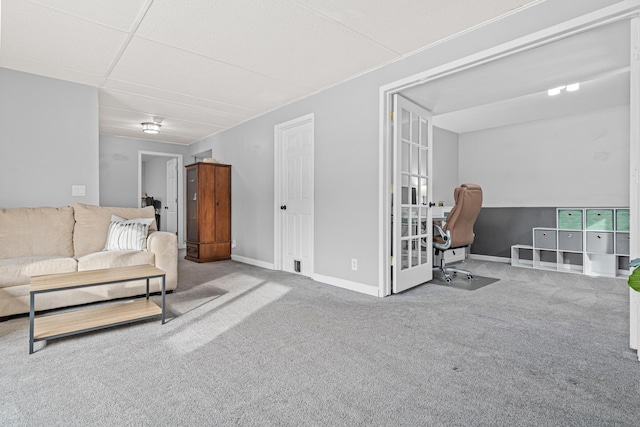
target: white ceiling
204 65
514 89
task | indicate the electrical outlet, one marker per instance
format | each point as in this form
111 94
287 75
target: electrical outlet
233 244
354 263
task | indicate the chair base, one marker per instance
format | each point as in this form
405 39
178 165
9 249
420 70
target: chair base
448 271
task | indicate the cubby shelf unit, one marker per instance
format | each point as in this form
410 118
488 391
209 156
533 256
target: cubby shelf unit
592 241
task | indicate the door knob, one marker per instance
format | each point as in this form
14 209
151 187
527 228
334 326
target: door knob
283 207
431 204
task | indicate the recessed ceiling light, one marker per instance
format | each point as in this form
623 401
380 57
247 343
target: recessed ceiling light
555 91
573 87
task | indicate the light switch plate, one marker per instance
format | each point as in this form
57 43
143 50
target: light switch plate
77 190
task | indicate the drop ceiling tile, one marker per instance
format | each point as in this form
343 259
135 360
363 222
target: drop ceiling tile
282 39
163 108
35 33
179 98
154 65
407 25
120 14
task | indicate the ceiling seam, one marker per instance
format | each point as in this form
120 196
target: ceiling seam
330 18
196 107
211 58
132 32
195 122
169 92
145 139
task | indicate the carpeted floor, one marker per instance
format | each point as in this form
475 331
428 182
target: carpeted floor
252 347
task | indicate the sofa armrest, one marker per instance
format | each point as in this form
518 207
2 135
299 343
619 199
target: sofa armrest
164 245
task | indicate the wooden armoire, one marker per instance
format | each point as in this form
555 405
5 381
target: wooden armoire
208 212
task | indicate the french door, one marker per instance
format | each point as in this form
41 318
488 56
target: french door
412 188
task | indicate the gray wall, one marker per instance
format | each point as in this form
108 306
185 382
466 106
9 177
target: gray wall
48 141
346 152
573 161
445 165
119 167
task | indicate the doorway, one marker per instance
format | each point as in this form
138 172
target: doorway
160 183
505 51
294 196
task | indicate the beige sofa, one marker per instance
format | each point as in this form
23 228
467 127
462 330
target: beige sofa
46 240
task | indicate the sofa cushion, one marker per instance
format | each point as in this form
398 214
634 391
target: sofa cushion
92 225
45 231
18 271
112 259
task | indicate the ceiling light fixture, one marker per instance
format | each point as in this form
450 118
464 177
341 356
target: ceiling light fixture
152 127
555 91
573 87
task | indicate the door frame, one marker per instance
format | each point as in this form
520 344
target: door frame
619 11
278 131
181 217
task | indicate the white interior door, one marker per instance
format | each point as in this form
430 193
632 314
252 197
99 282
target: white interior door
412 184
296 202
171 208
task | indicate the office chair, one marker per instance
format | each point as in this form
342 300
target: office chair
458 229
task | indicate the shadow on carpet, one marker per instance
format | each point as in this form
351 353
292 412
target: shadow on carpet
460 281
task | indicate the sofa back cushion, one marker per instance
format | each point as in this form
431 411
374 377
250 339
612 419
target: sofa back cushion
29 232
92 225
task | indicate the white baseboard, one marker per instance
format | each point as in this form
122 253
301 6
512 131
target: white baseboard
347 284
252 261
333 281
490 258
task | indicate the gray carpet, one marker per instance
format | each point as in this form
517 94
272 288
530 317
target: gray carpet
252 347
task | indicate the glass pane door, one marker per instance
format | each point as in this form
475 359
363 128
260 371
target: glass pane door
412 183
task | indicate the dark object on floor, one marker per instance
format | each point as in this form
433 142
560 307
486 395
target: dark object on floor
461 282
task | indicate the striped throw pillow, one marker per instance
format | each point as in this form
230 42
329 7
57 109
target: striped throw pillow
127 234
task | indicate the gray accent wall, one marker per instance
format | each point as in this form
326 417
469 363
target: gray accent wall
497 229
48 141
528 170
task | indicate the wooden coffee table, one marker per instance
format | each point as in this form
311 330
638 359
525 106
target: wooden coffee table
91 319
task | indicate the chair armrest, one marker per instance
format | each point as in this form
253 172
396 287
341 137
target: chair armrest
164 246
445 235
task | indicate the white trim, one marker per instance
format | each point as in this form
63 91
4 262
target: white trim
277 186
384 197
634 186
622 10
181 217
490 258
347 284
252 261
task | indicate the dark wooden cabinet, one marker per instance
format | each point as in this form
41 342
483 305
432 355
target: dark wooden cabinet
208 212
